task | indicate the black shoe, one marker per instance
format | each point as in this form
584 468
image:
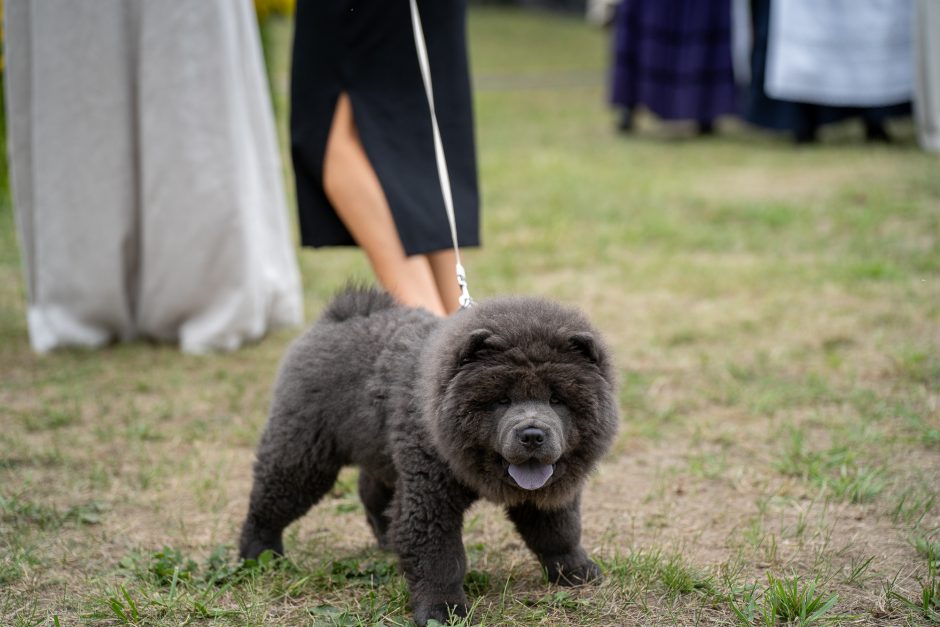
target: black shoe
805 136
875 133
626 122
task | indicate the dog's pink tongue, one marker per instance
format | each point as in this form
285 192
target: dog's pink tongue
530 475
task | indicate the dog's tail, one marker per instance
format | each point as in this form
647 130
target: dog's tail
357 300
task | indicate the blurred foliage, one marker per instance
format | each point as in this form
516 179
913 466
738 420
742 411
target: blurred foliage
267 8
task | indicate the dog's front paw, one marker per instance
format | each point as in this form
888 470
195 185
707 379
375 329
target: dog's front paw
565 574
441 612
254 542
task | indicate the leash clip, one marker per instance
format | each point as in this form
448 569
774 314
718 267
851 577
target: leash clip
466 302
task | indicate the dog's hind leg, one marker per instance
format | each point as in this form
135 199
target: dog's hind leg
376 497
289 479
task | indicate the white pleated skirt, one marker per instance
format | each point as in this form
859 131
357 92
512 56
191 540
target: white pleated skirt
147 182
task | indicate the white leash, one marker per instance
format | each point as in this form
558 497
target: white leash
465 300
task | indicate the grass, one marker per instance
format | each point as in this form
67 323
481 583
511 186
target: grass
775 315
927 603
785 601
836 470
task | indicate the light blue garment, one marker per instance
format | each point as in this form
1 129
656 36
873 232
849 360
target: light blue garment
855 53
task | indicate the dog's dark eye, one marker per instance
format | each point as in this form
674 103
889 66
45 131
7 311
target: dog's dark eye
554 400
504 401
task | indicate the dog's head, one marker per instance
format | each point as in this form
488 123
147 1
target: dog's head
518 394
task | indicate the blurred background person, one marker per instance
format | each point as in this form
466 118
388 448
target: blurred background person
821 61
674 58
362 144
600 12
927 73
146 179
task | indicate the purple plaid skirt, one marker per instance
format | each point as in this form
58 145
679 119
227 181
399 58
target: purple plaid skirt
674 57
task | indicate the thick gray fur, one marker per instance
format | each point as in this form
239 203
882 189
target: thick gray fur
432 411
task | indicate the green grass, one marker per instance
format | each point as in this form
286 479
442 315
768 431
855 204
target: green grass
926 604
775 317
836 469
790 601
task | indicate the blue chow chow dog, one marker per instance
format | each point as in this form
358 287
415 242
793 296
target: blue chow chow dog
511 400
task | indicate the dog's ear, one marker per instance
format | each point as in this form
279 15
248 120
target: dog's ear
478 341
584 343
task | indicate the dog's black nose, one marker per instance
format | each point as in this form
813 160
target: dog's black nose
532 437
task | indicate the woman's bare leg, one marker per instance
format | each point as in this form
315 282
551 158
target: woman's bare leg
354 190
443 266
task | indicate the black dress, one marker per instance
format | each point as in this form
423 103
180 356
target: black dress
366 48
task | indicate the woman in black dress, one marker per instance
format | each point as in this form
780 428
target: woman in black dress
362 143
